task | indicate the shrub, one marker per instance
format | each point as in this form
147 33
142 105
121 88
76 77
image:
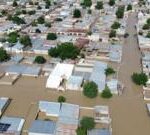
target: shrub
90 89
106 93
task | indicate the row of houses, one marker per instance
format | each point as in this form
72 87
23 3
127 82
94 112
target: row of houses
54 118
70 77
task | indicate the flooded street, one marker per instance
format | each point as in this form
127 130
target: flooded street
128 111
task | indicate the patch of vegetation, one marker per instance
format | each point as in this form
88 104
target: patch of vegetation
90 89
116 25
40 60
61 99
25 40
139 78
112 34
87 123
109 71
65 51
120 12
99 5
4 56
106 93
51 36
76 13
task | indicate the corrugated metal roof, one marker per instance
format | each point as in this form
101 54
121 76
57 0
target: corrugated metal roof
43 127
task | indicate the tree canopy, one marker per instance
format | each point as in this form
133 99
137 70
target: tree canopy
106 93
111 2
120 12
112 34
3 55
129 7
109 71
87 3
90 89
13 37
139 78
41 20
76 13
61 99
25 40
87 123
65 51
40 60
51 36
115 25
99 5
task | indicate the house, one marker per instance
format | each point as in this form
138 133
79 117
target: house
40 127
74 83
11 125
60 73
4 102
98 75
99 132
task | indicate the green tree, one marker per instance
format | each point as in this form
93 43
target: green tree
106 93
109 71
47 4
12 37
146 26
120 12
25 40
17 20
111 2
87 3
129 7
76 13
90 89
15 4
99 5
65 51
112 34
61 99
81 131
51 36
41 20
89 11
87 123
32 12
115 25
47 24
40 60
139 78
3 55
